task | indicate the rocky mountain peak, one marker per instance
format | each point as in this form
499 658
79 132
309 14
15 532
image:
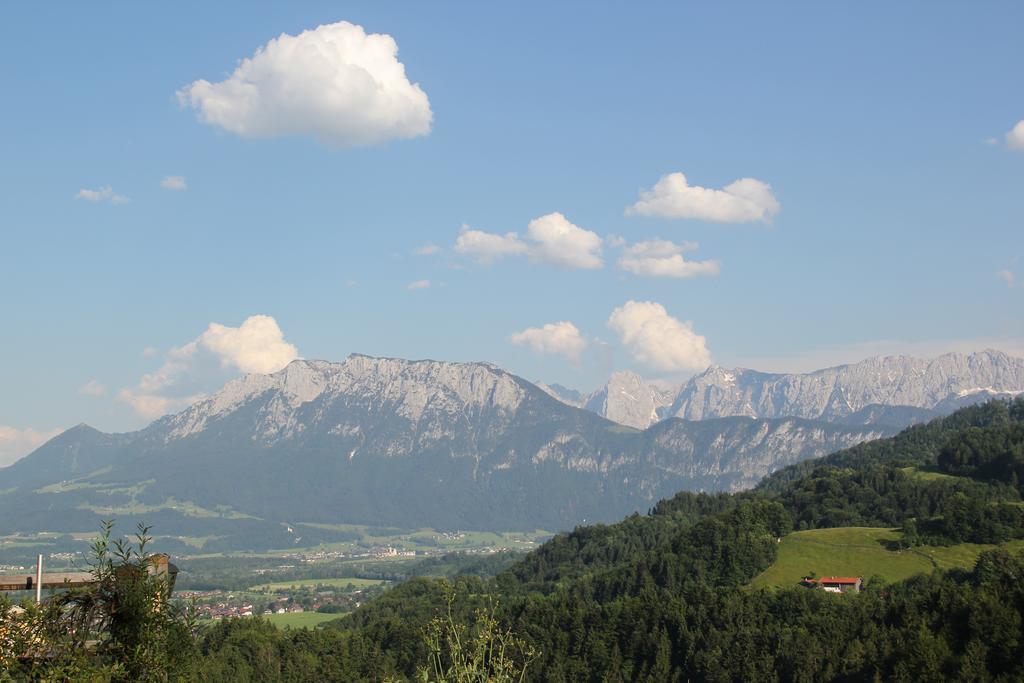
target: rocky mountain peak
839 391
874 384
408 387
628 399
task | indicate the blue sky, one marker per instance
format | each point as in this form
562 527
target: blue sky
879 131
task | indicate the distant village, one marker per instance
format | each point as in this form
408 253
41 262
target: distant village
221 604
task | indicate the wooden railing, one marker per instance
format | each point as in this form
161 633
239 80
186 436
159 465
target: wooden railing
159 565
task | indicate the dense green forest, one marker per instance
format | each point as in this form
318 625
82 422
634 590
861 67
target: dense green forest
665 596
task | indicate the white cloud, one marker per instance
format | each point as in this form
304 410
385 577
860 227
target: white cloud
663 258
335 83
1007 276
742 201
561 243
104 194
177 363
1015 138
427 250
255 346
17 443
550 239
152 406
418 284
560 338
486 247
174 182
149 351
92 388
657 340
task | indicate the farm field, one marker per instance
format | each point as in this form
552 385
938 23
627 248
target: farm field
313 583
299 619
861 551
361 543
431 539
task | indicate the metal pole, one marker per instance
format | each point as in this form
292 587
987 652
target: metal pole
39 579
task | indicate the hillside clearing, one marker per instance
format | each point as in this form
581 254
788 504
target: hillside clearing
861 551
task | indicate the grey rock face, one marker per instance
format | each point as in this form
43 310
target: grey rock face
629 400
737 452
432 397
835 393
625 398
569 397
890 390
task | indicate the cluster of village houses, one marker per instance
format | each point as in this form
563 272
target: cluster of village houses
217 604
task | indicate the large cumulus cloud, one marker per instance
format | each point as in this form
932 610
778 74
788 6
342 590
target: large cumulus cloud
335 83
656 339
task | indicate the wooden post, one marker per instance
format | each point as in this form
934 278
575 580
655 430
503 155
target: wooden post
39 578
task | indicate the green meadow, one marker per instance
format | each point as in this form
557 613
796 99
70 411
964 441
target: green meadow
313 583
299 619
861 551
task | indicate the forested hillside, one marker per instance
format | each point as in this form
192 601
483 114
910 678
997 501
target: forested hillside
667 595
662 596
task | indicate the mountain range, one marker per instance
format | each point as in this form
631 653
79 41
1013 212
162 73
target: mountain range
272 460
890 390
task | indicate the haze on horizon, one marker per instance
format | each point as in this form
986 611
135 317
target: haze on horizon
198 193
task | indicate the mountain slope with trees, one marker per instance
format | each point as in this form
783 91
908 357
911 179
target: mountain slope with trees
666 596
660 597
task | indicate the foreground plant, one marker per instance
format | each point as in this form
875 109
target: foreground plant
121 627
483 651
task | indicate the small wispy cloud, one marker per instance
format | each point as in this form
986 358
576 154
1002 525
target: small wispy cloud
103 194
92 388
664 258
17 443
486 247
427 250
1007 276
1015 138
418 284
174 182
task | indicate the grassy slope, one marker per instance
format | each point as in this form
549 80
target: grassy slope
930 474
859 551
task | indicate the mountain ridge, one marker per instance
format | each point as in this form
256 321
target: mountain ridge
883 385
387 442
